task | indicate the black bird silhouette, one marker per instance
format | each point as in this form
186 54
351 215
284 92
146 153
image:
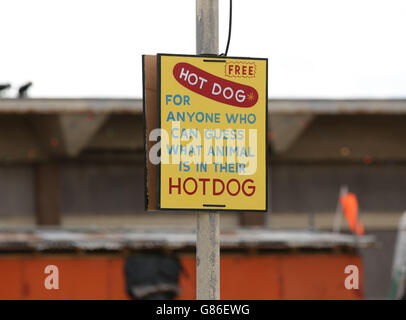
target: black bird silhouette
4 87
22 92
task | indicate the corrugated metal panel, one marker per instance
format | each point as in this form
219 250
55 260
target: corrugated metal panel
40 239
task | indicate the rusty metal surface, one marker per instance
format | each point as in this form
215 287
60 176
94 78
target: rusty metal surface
276 106
43 239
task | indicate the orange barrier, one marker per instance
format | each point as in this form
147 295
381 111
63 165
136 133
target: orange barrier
349 204
281 276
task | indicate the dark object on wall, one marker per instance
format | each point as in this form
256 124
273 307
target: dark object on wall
22 91
152 276
4 87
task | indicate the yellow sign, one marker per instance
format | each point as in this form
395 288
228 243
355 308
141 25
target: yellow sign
213 120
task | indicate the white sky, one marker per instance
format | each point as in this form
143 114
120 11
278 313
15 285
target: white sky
93 48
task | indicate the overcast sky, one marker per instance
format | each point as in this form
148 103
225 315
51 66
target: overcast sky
93 48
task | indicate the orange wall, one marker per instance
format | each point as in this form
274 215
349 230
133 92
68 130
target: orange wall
79 278
312 276
315 276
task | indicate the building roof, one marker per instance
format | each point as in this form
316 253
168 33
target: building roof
283 106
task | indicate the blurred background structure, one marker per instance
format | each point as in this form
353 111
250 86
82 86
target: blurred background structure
72 169
78 163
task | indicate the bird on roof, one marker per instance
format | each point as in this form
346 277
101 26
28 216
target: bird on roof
22 91
4 87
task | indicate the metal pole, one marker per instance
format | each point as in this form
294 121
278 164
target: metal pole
339 212
208 223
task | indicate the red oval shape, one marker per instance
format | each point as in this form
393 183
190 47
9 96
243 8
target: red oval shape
214 87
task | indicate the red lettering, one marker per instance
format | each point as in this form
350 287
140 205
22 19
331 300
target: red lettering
251 70
228 187
252 188
230 68
204 184
184 186
174 186
214 187
191 185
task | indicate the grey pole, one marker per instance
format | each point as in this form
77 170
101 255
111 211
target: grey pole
208 223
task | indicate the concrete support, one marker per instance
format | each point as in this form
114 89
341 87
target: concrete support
66 134
208 223
78 129
285 129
